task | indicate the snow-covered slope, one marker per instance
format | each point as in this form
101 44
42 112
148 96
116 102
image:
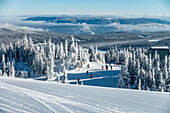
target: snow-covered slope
19 95
104 78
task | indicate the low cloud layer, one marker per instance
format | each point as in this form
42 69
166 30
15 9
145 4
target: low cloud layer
17 27
151 27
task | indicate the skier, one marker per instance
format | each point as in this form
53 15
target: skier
106 67
81 64
83 61
88 66
87 73
78 79
91 76
102 67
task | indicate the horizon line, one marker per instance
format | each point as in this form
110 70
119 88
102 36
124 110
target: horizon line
89 14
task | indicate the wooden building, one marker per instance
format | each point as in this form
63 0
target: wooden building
24 74
161 50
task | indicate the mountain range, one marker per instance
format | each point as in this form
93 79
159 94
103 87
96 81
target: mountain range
98 20
96 25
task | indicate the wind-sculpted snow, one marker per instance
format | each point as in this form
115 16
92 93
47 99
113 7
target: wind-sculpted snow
19 95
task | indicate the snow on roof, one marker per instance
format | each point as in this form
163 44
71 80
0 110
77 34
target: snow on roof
159 47
24 71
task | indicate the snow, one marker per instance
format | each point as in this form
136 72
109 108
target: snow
141 36
104 78
23 95
87 28
28 95
153 40
160 47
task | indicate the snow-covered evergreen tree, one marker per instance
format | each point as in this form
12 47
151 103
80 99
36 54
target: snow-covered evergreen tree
139 84
92 54
65 80
61 52
66 49
3 65
0 72
124 80
12 71
50 64
165 72
57 51
153 87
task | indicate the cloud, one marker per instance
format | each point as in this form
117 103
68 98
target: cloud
150 27
16 27
31 22
30 28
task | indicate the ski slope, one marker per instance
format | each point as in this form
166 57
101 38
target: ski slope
23 95
104 78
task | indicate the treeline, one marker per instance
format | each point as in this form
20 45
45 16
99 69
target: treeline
42 57
140 70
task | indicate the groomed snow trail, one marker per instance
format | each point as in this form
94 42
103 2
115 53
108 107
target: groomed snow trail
20 95
104 78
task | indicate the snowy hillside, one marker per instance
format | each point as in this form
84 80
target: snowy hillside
19 95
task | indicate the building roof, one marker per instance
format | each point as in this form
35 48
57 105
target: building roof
24 71
159 47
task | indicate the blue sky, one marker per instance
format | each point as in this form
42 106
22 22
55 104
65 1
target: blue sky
117 7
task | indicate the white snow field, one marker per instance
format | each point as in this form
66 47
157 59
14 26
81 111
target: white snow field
26 95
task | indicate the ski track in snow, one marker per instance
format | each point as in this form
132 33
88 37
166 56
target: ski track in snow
7 107
72 96
76 98
38 96
51 99
87 97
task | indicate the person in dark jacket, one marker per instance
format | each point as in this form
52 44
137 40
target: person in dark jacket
106 67
78 79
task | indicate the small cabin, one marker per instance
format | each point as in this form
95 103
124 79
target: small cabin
161 50
24 74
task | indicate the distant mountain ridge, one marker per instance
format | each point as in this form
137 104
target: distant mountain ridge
95 25
98 20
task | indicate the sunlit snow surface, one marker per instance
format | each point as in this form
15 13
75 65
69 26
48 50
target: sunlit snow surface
35 96
19 95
